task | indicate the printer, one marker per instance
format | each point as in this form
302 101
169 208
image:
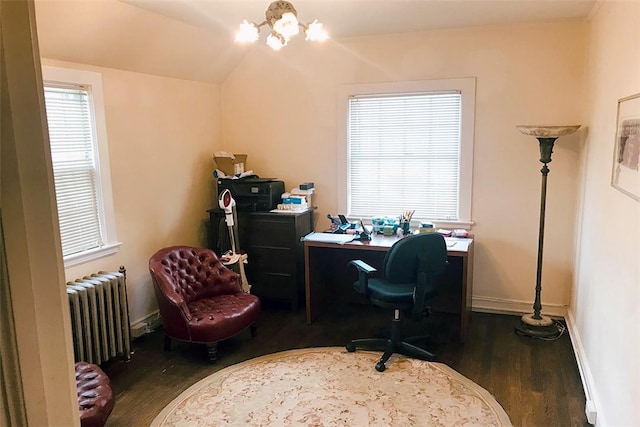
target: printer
253 194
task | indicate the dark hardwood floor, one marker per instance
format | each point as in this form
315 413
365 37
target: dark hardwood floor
536 382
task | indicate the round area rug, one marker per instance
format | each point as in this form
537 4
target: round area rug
331 387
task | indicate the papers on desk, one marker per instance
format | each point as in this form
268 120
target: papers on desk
329 238
288 211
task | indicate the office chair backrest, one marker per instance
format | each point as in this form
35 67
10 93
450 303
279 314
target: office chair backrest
402 261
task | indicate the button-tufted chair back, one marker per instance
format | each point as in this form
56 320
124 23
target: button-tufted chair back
194 273
199 299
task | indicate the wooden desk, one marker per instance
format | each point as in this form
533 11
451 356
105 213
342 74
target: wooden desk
326 262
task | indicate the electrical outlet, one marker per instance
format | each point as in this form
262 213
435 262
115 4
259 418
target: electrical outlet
138 330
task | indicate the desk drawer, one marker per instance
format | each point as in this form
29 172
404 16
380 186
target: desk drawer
269 233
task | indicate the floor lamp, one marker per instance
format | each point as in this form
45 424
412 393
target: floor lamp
535 324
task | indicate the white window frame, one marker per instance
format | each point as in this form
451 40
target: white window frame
466 86
93 80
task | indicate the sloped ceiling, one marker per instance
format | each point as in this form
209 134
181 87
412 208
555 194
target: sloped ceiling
193 39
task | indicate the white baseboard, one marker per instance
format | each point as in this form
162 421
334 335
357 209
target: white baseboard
594 415
506 306
146 324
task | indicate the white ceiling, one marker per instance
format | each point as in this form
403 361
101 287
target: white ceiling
193 39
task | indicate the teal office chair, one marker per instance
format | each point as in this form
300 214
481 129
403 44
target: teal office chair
410 270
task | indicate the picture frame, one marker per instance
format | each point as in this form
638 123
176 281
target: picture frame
625 172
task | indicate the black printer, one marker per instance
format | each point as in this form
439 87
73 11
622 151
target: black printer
253 194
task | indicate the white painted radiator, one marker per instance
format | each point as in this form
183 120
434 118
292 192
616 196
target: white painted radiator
100 317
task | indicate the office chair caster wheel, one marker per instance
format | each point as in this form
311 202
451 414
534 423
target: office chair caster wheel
350 348
380 367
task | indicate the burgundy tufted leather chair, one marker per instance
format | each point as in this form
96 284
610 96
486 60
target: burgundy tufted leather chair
95 397
200 300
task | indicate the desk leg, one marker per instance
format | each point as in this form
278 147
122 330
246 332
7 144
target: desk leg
467 294
308 291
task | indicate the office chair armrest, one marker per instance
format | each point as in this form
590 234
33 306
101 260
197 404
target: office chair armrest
419 296
425 283
364 270
362 266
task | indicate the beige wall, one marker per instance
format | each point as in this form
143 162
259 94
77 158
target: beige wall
162 133
280 109
606 295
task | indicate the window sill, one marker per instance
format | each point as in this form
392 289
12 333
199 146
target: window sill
466 225
90 255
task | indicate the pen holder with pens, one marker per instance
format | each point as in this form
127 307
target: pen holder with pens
405 222
406 227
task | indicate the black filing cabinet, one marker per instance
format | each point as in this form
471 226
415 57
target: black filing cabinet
272 241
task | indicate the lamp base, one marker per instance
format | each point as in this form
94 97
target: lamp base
537 328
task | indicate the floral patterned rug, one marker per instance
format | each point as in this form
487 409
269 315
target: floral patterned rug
331 387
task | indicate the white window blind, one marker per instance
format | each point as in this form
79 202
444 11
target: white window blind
404 153
73 154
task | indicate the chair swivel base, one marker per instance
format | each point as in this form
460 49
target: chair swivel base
391 346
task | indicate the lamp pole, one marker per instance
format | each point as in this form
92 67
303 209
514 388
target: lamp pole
536 324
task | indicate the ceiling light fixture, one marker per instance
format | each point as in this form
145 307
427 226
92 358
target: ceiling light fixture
282 18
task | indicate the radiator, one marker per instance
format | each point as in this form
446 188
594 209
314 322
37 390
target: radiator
100 317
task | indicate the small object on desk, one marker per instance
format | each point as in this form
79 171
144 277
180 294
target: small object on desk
378 224
444 232
329 238
341 225
426 227
406 227
364 234
460 232
407 215
405 222
306 186
334 221
288 209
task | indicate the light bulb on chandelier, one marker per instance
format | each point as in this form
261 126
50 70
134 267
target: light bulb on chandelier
282 18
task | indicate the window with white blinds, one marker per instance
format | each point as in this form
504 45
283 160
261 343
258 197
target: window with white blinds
79 156
73 156
404 148
409 150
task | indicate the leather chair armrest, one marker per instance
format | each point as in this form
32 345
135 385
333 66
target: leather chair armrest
172 301
177 300
230 281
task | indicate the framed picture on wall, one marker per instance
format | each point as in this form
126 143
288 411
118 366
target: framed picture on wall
625 175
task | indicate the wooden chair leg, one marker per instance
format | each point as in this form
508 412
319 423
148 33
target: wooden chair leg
254 330
167 343
212 352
